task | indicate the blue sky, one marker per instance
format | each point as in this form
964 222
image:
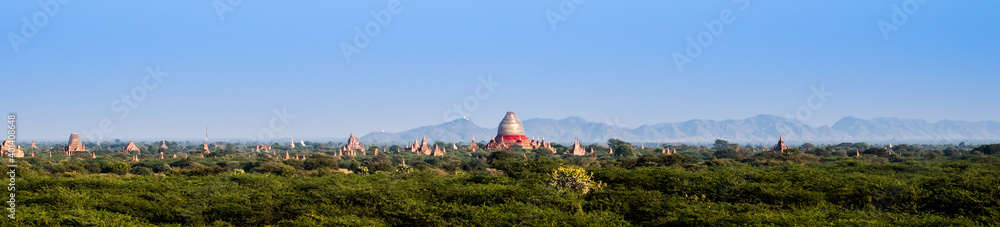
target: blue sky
607 61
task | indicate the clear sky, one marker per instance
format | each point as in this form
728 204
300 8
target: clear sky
232 66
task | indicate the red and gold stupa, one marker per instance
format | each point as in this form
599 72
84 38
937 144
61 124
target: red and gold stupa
511 133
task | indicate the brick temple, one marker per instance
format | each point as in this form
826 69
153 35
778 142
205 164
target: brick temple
511 133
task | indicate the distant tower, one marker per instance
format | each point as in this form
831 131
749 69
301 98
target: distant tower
9 145
577 149
293 143
163 144
353 143
473 146
511 132
130 148
780 148
74 144
33 144
204 146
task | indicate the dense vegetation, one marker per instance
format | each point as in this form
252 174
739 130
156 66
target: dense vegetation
723 185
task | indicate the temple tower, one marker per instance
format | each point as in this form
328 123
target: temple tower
74 144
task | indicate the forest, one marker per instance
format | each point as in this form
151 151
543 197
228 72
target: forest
724 184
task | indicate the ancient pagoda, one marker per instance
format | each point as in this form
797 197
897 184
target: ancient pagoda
577 149
6 147
511 133
74 144
473 146
780 148
421 148
353 144
130 148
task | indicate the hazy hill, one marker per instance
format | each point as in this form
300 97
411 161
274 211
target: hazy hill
757 129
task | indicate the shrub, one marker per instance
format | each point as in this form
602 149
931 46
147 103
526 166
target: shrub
119 168
142 170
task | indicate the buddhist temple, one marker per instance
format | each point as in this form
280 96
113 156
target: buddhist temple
473 146
780 148
577 149
33 144
436 151
421 148
292 145
163 144
353 144
6 147
130 148
511 133
265 147
74 144
204 147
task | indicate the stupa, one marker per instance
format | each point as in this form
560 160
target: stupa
511 133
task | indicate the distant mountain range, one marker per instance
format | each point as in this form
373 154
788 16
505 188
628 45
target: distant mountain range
760 129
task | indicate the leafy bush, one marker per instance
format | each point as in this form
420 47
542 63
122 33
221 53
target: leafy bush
119 168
